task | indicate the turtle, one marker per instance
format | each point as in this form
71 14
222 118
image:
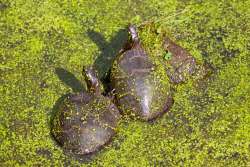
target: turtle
182 64
142 88
85 121
179 64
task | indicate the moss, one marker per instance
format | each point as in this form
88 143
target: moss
151 37
209 124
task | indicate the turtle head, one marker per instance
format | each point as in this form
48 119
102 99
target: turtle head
91 78
167 43
133 33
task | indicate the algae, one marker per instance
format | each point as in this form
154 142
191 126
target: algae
209 124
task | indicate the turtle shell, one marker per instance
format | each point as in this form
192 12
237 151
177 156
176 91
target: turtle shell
141 85
84 123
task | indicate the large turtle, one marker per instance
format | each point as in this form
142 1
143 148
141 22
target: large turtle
141 85
86 121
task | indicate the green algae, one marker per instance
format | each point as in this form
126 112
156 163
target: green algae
209 124
152 39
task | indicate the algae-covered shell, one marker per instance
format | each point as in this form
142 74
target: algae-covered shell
141 85
86 121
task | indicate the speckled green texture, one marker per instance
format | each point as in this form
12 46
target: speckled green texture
151 35
44 44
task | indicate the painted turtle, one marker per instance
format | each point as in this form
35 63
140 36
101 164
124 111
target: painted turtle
182 64
141 85
86 121
179 64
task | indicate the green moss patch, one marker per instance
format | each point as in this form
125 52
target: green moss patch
151 37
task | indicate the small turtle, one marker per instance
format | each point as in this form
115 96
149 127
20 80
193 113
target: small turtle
183 65
86 121
141 85
179 64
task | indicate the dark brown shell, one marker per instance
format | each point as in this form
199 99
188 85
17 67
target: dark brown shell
141 85
84 123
